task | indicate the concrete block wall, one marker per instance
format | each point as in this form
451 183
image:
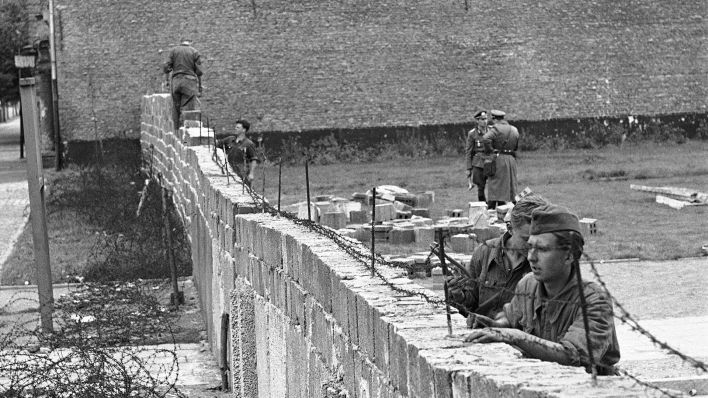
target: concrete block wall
312 64
309 320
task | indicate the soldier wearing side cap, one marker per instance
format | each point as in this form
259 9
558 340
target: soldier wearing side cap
544 319
501 141
474 155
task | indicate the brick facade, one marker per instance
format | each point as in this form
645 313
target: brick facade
307 320
290 66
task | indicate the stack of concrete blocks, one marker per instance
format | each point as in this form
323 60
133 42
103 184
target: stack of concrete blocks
381 231
403 232
334 219
385 212
359 216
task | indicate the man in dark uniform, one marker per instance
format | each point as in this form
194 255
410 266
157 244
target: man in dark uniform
544 319
241 152
497 265
185 64
474 155
501 141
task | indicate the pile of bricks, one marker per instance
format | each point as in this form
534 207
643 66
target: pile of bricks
400 219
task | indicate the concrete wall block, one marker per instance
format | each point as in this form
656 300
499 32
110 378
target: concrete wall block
273 248
262 357
296 303
424 235
296 357
398 359
365 327
340 306
344 361
279 294
243 344
324 284
321 329
277 351
401 236
308 272
382 354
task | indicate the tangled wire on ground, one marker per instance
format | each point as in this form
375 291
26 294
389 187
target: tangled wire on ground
98 347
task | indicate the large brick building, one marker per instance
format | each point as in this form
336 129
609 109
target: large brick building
313 64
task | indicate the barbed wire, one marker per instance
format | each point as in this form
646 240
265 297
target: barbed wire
646 384
627 319
101 345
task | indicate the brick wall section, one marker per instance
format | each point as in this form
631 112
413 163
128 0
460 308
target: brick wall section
312 64
304 314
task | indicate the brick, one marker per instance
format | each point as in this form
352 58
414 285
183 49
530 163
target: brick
424 235
296 303
401 236
359 216
336 220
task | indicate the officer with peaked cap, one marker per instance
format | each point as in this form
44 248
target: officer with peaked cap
544 319
475 156
501 142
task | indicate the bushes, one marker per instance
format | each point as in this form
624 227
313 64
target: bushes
126 246
429 141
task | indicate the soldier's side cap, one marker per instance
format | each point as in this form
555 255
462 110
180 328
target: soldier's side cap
496 112
480 113
553 218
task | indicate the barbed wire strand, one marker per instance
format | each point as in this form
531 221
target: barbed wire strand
627 319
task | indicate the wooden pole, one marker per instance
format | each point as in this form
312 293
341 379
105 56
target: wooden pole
373 231
176 298
440 237
280 174
38 215
307 186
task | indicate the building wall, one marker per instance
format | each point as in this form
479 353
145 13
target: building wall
308 320
306 64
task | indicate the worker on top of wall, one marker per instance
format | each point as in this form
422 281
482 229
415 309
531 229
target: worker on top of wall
241 152
544 319
184 63
474 155
501 141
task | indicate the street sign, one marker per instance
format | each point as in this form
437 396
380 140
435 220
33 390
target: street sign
24 61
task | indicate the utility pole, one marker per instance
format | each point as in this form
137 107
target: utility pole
38 216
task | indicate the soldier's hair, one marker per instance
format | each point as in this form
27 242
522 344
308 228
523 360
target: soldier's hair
521 213
244 123
573 240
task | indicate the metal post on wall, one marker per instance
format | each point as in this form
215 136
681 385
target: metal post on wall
38 216
55 95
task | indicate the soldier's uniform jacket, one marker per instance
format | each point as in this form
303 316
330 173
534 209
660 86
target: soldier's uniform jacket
495 280
501 137
559 319
475 149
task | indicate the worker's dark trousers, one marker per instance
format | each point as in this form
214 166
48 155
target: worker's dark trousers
184 96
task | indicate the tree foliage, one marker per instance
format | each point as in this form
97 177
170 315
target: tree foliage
14 33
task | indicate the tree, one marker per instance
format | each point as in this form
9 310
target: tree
14 33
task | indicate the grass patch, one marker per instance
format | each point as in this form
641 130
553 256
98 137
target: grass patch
630 223
95 234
